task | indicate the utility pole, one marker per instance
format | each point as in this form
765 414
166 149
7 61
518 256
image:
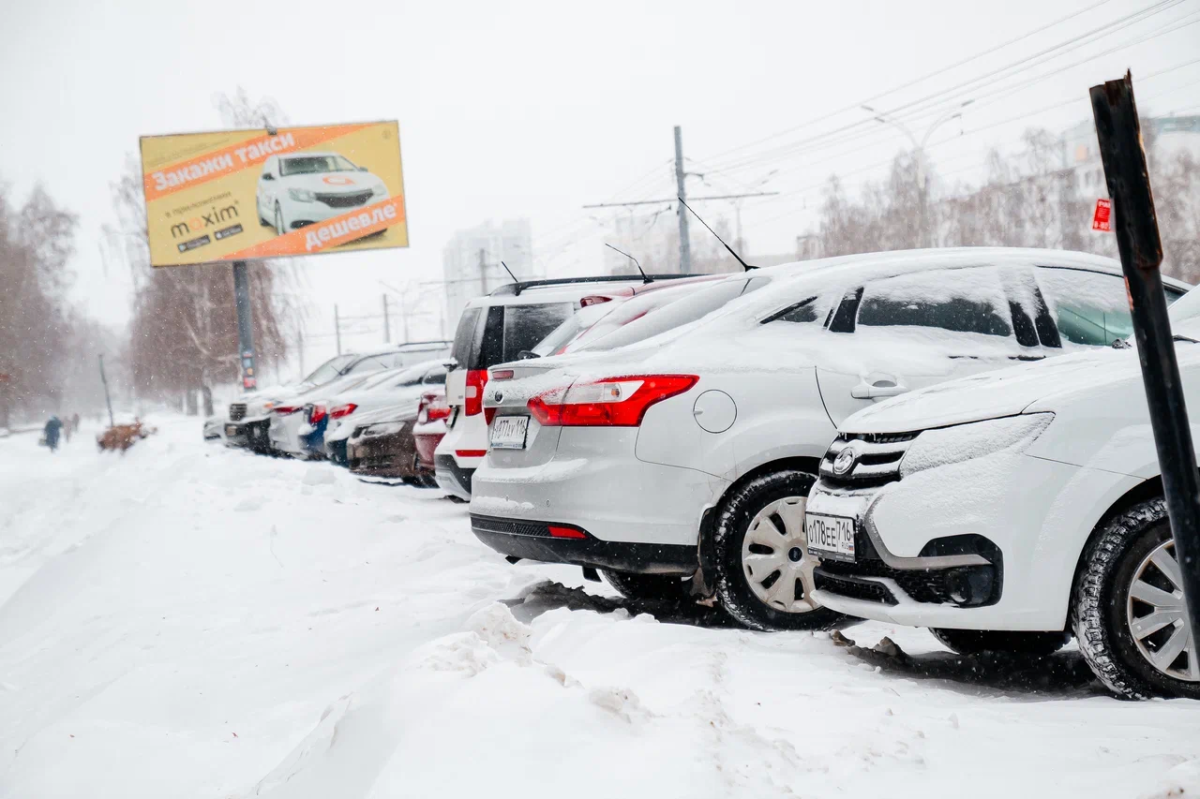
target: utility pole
337 328
387 328
245 323
685 244
483 284
300 348
107 398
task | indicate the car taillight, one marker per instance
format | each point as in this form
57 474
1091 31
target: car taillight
476 380
343 410
594 299
317 413
502 374
433 407
612 402
287 410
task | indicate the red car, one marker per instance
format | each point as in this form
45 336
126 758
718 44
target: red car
430 426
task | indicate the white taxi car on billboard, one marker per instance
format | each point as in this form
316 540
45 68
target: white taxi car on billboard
302 189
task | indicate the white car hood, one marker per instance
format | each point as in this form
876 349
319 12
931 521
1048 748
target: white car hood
333 182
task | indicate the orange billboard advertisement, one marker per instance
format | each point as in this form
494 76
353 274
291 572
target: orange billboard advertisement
244 194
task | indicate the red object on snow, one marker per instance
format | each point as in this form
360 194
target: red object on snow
1102 219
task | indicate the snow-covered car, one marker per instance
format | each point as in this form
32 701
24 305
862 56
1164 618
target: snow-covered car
682 463
214 428
396 395
503 326
298 190
1008 510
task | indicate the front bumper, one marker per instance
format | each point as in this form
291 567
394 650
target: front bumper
929 533
252 434
558 543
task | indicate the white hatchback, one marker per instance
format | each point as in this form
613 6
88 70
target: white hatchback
682 463
1007 510
301 189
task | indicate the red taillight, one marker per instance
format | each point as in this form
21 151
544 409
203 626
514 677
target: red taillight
470 453
594 299
343 410
433 407
317 413
476 380
287 410
566 532
502 374
612 402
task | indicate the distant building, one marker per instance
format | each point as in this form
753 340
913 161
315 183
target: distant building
1081 151
471 261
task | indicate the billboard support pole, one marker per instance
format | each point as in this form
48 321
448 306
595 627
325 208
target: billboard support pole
245 323
1136 228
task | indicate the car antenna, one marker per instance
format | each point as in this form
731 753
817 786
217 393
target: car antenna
510 274
645 278
747 267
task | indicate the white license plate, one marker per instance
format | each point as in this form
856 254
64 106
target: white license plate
508 432
830 536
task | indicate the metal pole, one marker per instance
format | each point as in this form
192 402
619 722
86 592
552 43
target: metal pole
483 272
337 329
685 244
300 348
387 329
107 398
1136 227
245 323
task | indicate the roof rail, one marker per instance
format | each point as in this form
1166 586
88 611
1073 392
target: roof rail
421 343
517 288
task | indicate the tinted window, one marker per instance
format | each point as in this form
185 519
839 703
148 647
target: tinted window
694 306
526 325
958 300
464 337
802 312
1089 308
435 376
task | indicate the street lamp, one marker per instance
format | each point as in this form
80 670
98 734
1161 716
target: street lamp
919 147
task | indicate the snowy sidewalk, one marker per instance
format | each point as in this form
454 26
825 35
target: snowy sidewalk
191 621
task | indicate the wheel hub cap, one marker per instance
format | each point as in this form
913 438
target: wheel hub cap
775 557
1158 619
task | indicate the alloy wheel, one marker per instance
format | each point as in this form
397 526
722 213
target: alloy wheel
775 557
1157 617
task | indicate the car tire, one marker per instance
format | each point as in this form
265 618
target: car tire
649 587
280 225
748 597
1119 578
973 642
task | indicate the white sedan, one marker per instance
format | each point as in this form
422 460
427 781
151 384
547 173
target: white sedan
681 463
298 190
1008 510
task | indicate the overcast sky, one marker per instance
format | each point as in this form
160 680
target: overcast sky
534 109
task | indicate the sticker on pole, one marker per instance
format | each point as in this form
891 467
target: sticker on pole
245 194
1103 216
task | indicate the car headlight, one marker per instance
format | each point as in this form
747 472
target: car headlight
946 445
301 195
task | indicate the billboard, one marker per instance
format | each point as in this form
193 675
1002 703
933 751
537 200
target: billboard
245 194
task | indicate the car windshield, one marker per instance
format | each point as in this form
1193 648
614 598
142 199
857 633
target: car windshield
1185 308
329 370
311 164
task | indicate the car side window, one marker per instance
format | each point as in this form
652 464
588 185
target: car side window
1089 308
800 313
435 376
969 300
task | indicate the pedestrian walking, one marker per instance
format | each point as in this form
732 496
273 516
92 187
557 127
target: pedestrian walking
53 427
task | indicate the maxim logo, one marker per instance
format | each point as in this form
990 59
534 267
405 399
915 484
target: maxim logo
204 221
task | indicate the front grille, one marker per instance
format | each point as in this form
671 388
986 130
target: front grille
237 411
851 587
876 463
344 200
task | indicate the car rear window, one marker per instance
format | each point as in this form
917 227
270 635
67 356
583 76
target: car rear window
511 329
465 344
694 306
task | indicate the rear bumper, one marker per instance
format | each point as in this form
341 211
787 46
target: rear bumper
253 434
392 455
452 478
534 541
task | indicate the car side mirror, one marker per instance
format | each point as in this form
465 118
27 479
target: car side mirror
525 355
362 169
268 176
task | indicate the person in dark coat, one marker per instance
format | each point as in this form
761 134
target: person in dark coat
52 429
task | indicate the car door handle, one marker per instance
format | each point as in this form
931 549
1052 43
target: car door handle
878 388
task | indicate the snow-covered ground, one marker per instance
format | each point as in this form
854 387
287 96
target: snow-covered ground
190 621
